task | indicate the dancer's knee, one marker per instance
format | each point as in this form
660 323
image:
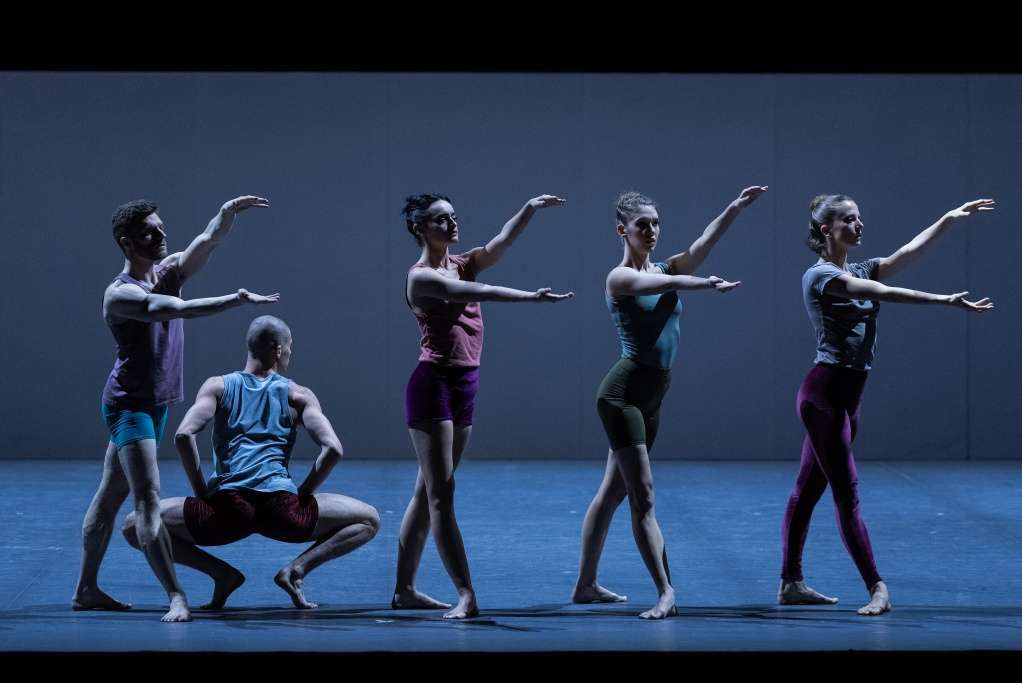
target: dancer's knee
804 497
441 496
617 492
372 520
641 501
846 497
147 500
441 510
147 520
108 500
103 513
129 531
611 496
147 534
113 491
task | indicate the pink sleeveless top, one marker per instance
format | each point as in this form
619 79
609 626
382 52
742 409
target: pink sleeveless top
452 333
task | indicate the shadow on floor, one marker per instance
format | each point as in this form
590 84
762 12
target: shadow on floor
369 615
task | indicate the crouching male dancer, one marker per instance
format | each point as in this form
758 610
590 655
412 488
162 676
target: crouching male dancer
255 416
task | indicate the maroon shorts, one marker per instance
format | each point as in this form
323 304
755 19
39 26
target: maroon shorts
436 392
232 514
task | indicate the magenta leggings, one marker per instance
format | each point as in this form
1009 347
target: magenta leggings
828 403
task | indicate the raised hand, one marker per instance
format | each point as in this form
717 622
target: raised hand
969 208
722 285
245 202
252 298
545 200
749 195
545 295
980 306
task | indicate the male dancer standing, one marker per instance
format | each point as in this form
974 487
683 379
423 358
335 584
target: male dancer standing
144 310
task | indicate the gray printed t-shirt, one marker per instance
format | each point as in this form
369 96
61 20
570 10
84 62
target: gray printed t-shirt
846 329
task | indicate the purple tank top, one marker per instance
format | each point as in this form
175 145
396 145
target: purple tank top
150 356
452 333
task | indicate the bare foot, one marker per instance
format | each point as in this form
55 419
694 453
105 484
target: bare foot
879 601
413 599
664 607
291 581
178 609
798 593
594 593
222 589
466 607
94 598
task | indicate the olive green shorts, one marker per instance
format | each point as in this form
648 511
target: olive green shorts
628 402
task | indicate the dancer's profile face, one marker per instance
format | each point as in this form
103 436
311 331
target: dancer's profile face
150 241
846 226
441 223
642 231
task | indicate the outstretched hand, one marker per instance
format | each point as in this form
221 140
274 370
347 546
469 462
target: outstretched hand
722 285
969 208
246 202
545 200
984 304
253 298
545 294
749 195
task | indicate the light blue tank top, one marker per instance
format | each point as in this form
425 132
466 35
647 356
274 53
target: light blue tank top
253 433
649 326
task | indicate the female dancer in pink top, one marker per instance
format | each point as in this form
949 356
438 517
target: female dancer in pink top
442 293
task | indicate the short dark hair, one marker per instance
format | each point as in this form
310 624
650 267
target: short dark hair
265 333
822 210
628 204
415 209
129 218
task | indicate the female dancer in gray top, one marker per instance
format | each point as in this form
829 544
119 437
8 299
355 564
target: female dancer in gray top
842 300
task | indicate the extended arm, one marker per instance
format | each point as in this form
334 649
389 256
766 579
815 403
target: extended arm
851 287
624 281
484 257
687 261
195 420
192 259
911 251
321 431
133 302
427 283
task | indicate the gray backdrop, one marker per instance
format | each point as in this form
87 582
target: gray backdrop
337 153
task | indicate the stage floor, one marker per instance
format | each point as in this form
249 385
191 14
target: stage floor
947 539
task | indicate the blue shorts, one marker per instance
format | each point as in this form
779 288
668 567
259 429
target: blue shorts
128 425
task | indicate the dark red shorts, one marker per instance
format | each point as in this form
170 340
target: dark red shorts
232 514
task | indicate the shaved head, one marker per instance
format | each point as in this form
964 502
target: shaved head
266 333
